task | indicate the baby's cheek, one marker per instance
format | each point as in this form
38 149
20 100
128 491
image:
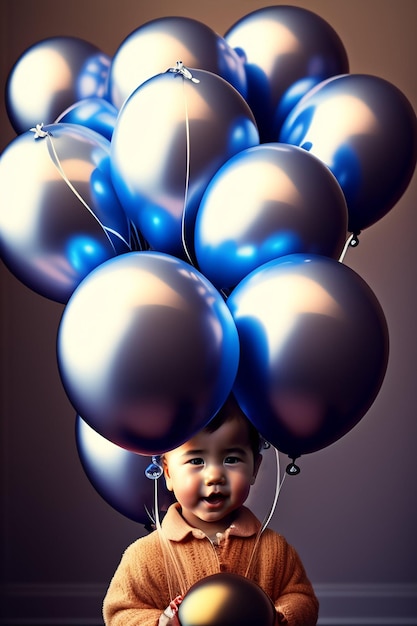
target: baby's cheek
242 490
188 491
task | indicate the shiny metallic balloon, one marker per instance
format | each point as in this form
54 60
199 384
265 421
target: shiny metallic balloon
50 76
170 138
226 600
95 113
364 129
147 350
266 202
118 476
157 45
59 214
314 350
284 49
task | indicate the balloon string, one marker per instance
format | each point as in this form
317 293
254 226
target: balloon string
345 248
39 133
269 515
167 551
187 173
352 241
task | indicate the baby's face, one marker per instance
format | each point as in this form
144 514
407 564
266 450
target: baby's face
211 475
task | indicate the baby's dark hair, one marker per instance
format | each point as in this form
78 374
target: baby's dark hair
230 410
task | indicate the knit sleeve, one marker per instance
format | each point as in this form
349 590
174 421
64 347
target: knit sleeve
137 594
297 604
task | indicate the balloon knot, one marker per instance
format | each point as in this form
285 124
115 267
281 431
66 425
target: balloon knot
154 470
292 469
39 132
355 239
184 71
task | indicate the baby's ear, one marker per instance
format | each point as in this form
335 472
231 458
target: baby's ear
167 477
257 465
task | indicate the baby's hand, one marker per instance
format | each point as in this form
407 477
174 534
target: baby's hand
169 617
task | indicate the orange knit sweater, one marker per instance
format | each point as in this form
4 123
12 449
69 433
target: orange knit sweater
147 579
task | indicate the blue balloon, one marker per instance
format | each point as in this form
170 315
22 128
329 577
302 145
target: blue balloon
147 351
60 216
364 129
67 69
313 350
97 114
171 136
292 97
118 476
267 202
158 44
285 49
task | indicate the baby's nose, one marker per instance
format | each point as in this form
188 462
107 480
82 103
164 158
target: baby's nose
214 476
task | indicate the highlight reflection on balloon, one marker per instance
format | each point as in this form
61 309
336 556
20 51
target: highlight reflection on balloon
314 350
364 129
170 138
282 46
50 76
266 202
97 114
226 600
158 44
60 216
118 475
147 351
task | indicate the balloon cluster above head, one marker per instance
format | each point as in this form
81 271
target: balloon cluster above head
144 190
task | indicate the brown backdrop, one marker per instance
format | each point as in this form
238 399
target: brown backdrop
351 512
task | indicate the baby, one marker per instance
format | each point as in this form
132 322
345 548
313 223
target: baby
209 530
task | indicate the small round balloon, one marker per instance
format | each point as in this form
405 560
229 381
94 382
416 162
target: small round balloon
60 216
266 202
170 138
50 76
157 45
226 600
147 351
313 350
364 129
285 48
95 113
118 476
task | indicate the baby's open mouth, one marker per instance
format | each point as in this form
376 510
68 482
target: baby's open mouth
214 498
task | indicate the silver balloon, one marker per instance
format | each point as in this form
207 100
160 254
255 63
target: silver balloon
266 202
59 214
50 76
285 48
314 350
365 130
159 44
147 351
170 138
118 476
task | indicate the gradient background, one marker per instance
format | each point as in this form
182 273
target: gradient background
351 513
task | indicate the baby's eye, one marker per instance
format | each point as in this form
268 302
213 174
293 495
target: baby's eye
196 461
231 460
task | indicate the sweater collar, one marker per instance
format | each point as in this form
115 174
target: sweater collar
176 528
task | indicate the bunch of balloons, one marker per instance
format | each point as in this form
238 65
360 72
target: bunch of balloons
189 201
